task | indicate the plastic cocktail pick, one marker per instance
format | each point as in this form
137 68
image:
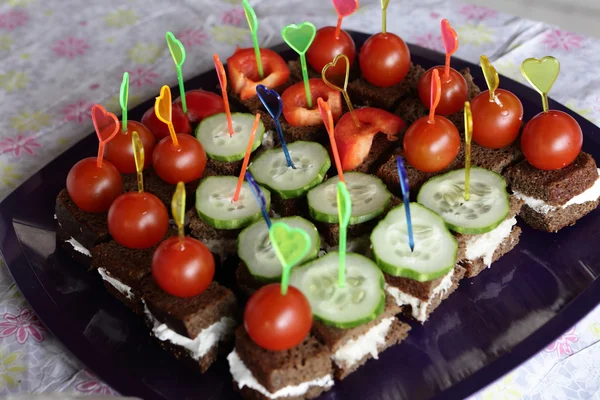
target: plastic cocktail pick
325 111
259 197
468 137
236 195
163 108
541 74
384 6
291 246
274 106
223 83
123 99
138 157
406 199
450 39
436 94
344 89
253 25
344 204
178 53
299 38
106 125
343 9
491 76
178 208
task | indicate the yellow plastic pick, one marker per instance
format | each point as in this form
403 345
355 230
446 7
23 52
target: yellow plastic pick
468 137
344 89
178 208
163 108
541 74
491 76
138 156
384 6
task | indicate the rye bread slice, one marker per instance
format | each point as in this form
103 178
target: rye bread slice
245 281
275 370
555 220
381 148
221 242
553 187
289 207
474 267
296 71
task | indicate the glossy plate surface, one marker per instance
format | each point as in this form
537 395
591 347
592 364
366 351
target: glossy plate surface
489 326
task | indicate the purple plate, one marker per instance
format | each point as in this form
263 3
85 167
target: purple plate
489 326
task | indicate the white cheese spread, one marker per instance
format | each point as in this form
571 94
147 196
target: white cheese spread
354 350
485 245
78 247
117 284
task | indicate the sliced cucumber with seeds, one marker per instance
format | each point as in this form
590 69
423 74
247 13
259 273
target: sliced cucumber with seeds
311 162
368 193
215 206
213 133
435 249
361 300
255 250
487 207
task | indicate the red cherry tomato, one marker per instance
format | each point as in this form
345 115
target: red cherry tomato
138 220
496 123
201 104
243 71
119 150
454 91
325 47
275 321
384 59
551 140
295 107
183 267
91 188
431 147
160 130
184 163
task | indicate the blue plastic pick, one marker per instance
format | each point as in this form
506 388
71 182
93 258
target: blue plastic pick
406 198
272 102
258 196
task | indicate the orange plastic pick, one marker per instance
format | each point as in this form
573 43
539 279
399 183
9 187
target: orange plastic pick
246 158
436 94
223 83
325 111
163 108
468 138
344 89
104 122
138 157
450 44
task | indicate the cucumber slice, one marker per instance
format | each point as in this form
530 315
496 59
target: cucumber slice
310 159
435 249
214 205
254 248
486 209
213 133
361 300
368 193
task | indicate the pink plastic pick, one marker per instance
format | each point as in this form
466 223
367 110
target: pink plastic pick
106 125
450 43
343 9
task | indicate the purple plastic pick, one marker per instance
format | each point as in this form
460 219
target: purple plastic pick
258 196
406 198
272 102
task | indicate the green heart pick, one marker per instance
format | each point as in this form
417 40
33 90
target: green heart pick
178 53
123 100
541 74
300 37
291 246
344 204
253 25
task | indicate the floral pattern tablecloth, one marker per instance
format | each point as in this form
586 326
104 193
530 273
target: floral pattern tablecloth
59 57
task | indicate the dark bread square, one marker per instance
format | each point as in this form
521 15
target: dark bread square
553 187
245 281
380 150
474 267
289 207
184 356
275 370
211 236
555 220
296 71
224 167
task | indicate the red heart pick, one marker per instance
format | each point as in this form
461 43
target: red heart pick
450 38
345 7
106 124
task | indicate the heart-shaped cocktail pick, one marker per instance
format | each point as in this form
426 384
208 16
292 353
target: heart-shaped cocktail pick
384 6
344 89
299 38
403 178
106 125
274 106
253 25
491 76
178 53
436 93
344 205
327 118
139 158
291 246
178 209
343 8
123 100
450 39
541 74
163 108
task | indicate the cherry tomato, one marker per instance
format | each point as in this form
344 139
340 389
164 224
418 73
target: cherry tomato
551 140
91 188
184 163
275 321
384 59
454 91
201 104
243 71
119 150
431 146
496 123
160 130
295 107
183 267
325 47
138 220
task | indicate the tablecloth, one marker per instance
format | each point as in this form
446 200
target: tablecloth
59 57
